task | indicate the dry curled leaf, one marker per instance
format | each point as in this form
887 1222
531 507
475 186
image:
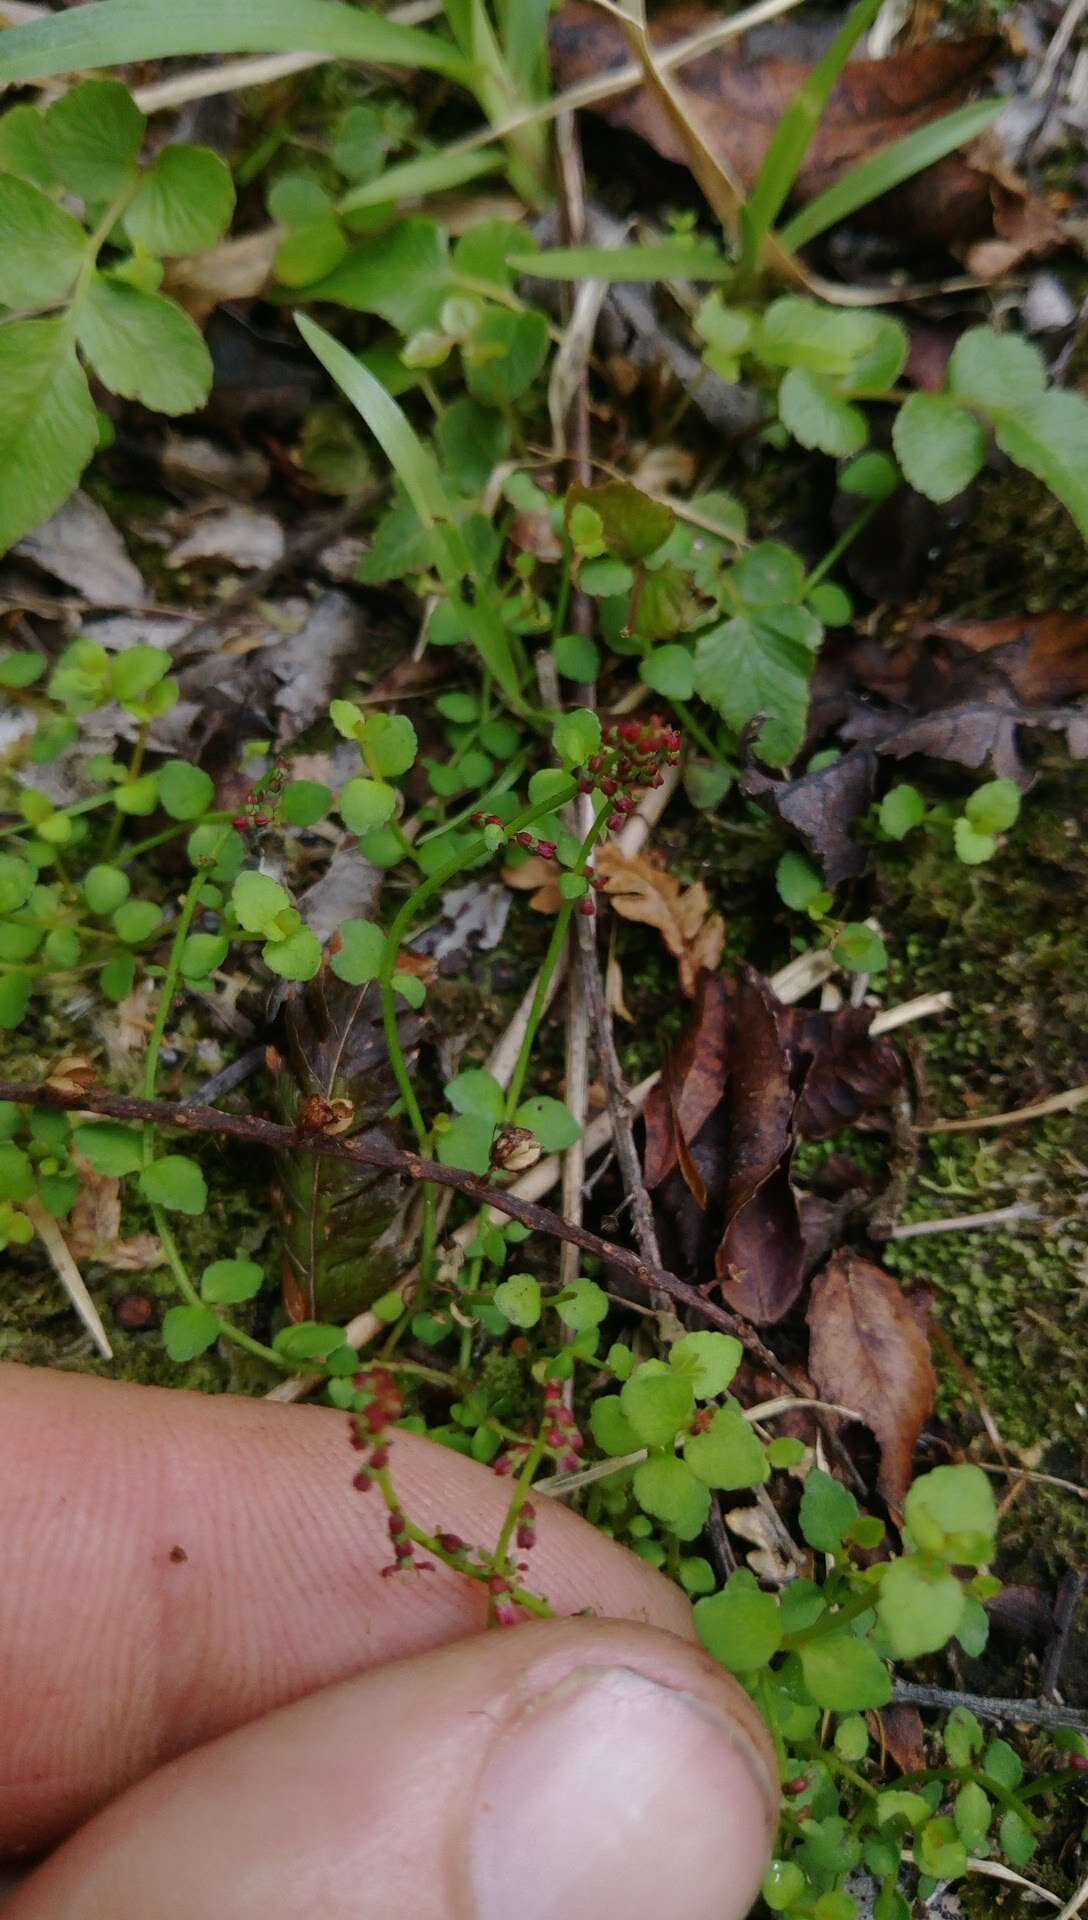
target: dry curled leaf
760 1261
822 807
91 1229
740 104
641 889
1043 656
868 1351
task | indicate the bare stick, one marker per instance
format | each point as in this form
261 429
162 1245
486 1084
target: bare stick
280 1139
1029 1713
1077 1904
68 1273
967 1222
1054 1103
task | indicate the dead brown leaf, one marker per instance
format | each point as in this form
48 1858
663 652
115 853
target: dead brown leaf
641 889
93 1225
822 807
539 879
740 103
697 1072
849 1074
1043 656
760 1261
868 1351
900 1729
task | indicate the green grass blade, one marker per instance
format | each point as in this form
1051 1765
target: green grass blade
434 173
794 132
417 470
889 168
114 32
667 260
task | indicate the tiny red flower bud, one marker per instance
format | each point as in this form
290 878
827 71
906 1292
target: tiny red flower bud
379 1458
553 1392
493 820
630 730
608 787
587 907
526 1535
553 1437
627 803
502 1465
403 1549
585 786
362 1481
546 849
615 822
397 1524
569 1463
658 780
524 839
498 1584
240 822
450 1542
505 1614
595 762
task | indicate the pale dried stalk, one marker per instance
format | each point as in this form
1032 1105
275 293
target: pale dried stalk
1065 1102
255 70
68 1273
919 1008
968 1222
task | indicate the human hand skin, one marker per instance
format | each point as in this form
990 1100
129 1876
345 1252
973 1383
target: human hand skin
206 1684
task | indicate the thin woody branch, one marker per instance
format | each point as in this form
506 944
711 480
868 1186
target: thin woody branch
185 1117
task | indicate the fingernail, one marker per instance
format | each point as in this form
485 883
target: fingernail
614 1794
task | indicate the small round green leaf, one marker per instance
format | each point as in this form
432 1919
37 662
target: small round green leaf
359 956
227 1282
184 790
669 1491
518 1299
105 888
740 1626
176 1183
366 804
189 1331
110 1148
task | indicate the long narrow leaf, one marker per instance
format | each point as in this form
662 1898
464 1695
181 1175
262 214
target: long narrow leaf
115 32
787 150
888 168
434 173
668 260
417 470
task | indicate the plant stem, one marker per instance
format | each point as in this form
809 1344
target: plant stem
845 540
551 958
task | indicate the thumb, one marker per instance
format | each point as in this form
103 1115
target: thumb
556 1771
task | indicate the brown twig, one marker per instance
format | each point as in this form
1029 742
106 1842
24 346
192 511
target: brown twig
192 1118
1035 1713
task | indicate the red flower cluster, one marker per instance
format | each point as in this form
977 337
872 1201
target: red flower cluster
262 800
633 754
561 1433
370 1434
